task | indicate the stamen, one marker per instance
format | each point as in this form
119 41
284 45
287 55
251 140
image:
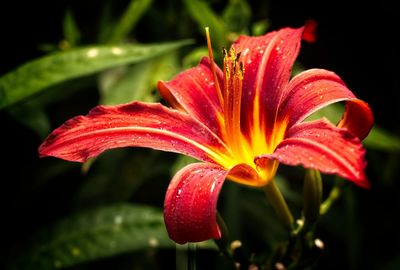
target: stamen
226 93
211 56
233 80
237 98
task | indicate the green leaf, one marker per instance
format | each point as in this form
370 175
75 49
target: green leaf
202 13
381 139
71 31
127 22
137 82
105 22
260 27
95 234
47 71
181 162
116 175
193 58
333 112
32 115
237 15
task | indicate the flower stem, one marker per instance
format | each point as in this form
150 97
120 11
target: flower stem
223 242
192 256
277 201
332 197
312 190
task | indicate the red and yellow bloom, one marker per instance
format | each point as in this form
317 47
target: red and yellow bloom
241 121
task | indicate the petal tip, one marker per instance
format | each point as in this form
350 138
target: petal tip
190 203
310 31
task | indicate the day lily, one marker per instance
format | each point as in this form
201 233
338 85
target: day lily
241 122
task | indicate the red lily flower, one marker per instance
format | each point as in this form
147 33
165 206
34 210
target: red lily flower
241 121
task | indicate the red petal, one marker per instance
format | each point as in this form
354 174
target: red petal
191 201
324 147
313 89
194 91
246 175
310 31
268 62
135 124
357 118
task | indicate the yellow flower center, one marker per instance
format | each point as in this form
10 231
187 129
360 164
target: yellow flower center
243 150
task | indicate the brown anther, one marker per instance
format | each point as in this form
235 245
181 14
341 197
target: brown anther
241 66
238 55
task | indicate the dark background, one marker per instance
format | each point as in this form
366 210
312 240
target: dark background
358 41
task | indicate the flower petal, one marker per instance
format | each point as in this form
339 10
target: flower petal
322 146
268 62
190 206
135 124
195 92
314 89
310 31
357 118
244 174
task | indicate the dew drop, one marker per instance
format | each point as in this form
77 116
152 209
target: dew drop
212 187
153 242
117 50
118 220
318 243
92 53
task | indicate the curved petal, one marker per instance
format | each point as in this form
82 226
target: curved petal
314 89
268 62
324 147
310 31
135 124
246 175
190 206
357 118
194 91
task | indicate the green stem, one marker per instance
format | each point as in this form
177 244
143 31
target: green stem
333 196
312 198
277 201
192 247
223 242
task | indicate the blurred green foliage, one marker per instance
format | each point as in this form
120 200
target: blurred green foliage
113 205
